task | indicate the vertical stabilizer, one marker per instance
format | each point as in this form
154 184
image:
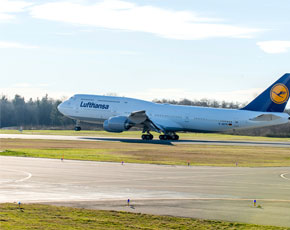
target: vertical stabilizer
273 99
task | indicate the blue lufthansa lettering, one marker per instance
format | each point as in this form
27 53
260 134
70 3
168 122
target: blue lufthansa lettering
93 105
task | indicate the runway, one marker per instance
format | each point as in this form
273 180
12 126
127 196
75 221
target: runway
225 193
136 140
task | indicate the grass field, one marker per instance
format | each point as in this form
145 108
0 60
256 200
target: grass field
137 134
212 155
35 216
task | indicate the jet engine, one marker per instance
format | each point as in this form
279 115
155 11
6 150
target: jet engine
117 124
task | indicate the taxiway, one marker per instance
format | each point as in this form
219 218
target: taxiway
225 193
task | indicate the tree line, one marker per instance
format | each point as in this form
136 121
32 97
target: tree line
31 113
203 102
43 113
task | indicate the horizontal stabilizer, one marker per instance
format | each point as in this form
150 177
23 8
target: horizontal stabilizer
265 117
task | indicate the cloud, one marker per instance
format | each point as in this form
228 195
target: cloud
40 89
8 8
22 85
178 94
16 45
122 15
34 91
274 47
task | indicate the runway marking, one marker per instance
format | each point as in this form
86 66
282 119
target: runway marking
283 176
29 175
25 178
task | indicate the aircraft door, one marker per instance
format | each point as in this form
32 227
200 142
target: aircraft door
75 105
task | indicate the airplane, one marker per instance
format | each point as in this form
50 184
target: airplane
118 114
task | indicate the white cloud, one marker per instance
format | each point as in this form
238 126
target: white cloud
28 91
8 8
16 45
22 85
178 94
38 90
116 14
273 47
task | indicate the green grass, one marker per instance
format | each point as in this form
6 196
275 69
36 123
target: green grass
72 154
158 153
137 134
35 216
198 155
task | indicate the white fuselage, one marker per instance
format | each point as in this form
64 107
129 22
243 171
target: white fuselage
97 109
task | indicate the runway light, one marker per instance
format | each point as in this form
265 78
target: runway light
128 202
255 203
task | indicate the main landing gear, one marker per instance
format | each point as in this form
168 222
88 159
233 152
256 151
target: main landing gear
78 127
168 136
173 137
148 136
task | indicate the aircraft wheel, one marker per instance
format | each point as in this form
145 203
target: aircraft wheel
78 128
147 137
165 137
175 137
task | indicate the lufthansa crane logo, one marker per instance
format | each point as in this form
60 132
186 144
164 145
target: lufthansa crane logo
279 93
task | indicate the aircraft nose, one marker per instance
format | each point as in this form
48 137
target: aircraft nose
60 107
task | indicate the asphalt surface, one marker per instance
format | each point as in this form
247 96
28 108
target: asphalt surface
135 140
225 193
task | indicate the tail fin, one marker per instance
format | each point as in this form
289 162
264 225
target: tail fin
273 99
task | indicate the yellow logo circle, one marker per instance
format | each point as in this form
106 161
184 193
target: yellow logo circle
279 93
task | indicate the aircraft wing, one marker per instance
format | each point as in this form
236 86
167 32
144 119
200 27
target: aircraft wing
138 117
141 118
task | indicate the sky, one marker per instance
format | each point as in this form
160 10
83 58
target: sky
225 50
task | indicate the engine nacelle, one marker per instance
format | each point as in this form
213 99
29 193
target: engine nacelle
117 124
